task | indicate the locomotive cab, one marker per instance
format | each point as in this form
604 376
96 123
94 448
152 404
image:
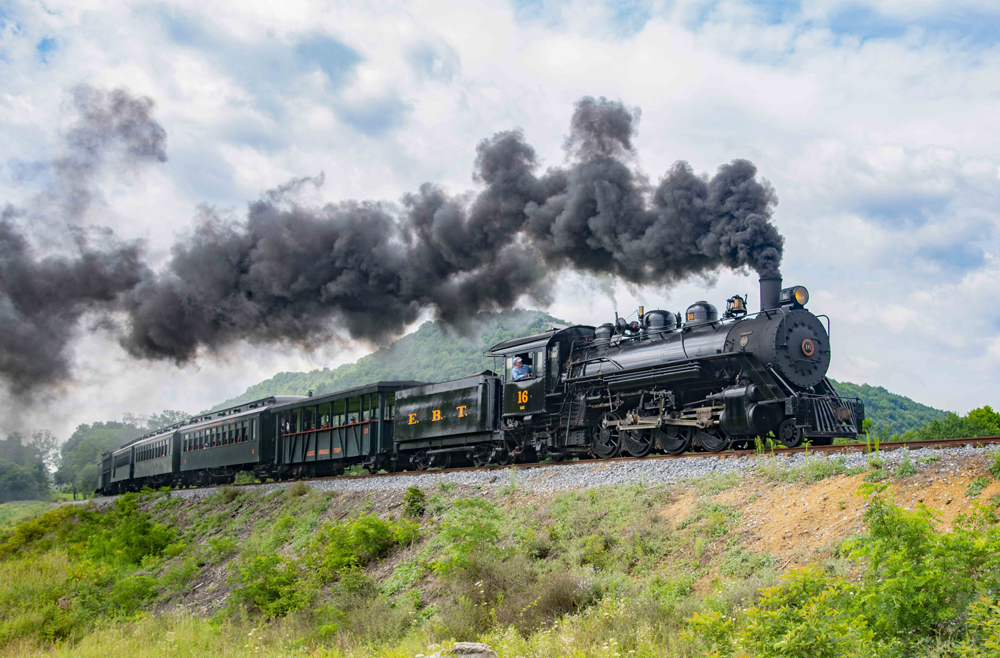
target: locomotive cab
545 353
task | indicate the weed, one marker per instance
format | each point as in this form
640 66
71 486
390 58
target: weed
714 519
744 564
437 505
814 469
906 467
995 464
842 504
220 549
512 485
176 578
338 546
927 460
297 489
229 494
876 475
414 502
976 486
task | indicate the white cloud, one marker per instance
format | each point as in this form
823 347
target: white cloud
883 149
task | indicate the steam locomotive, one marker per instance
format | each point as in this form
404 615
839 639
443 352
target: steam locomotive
663 382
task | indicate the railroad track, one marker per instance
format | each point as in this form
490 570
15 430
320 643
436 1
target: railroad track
726 454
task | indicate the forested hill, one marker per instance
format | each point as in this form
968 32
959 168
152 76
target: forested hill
433 353
898 413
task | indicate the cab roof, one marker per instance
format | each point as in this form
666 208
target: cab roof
529 343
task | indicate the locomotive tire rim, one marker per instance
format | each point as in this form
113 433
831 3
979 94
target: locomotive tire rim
808 347
637 443
674 443
711 442
607 440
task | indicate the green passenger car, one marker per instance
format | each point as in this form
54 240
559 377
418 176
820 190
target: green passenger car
322 435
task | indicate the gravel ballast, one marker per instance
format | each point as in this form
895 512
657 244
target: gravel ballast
589 474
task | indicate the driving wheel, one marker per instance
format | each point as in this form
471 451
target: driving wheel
637 443
674 440
606 442
712 442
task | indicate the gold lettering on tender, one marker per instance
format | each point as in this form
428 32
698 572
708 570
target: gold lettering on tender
436 414
413 419
462 413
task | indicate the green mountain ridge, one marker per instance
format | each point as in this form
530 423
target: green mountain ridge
435 353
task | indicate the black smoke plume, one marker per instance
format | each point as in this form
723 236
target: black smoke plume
43 296
291 273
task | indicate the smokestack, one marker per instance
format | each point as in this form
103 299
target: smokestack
770 290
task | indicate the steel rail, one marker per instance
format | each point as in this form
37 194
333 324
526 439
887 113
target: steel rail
726 454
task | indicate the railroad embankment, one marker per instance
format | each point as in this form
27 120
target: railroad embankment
862 554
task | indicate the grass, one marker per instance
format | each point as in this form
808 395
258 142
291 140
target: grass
602 572
13 513
716 483
816 468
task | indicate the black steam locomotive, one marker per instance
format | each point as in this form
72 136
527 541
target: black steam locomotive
663 382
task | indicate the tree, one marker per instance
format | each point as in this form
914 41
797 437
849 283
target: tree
22 468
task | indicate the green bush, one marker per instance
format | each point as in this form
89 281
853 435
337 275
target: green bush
127 535
338 546
269 584
414 502
470 524
132 592
246 477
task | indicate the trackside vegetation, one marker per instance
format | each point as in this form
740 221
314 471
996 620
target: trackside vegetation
603 572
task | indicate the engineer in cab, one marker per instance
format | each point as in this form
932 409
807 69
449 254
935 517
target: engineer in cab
521 371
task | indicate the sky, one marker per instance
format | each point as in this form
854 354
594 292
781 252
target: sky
876 121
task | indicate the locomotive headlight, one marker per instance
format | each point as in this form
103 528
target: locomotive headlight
801 295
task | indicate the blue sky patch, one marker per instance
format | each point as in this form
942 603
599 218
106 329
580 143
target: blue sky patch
376 117
332 57
956 259
45 48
